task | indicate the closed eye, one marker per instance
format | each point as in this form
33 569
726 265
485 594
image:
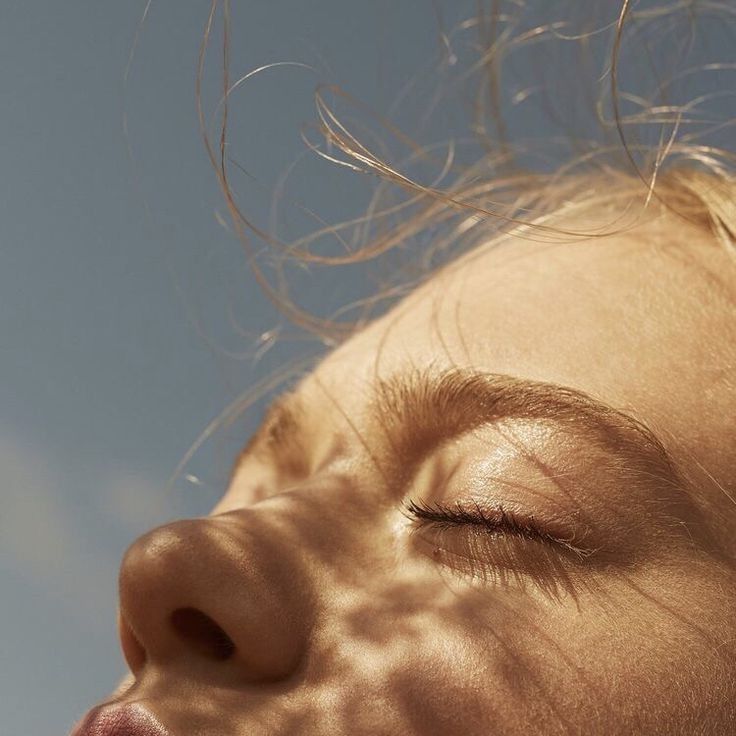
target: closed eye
497 547
494 519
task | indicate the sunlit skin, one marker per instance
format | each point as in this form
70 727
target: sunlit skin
346 615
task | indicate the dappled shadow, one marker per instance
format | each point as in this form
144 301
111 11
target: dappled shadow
334 626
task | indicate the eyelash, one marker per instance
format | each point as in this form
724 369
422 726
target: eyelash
493 544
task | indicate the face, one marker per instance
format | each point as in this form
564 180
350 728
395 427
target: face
506 507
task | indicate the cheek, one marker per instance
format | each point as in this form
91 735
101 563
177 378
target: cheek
440 658
420 675
644 654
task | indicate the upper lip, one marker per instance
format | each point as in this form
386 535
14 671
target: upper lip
128 719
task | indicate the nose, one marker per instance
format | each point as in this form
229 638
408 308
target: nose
222 592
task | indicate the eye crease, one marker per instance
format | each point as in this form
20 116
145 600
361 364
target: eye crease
493 519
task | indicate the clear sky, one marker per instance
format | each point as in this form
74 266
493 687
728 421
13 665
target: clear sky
128 314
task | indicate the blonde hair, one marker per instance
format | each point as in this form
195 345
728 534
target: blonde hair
682 172
654 148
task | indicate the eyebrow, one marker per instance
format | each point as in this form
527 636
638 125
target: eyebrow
415 410
411 406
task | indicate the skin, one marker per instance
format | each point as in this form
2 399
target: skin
347 617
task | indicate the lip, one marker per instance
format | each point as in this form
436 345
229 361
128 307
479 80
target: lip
130 719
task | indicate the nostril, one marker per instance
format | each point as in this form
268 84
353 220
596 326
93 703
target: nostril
202 633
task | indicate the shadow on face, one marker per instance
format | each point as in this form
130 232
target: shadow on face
509 514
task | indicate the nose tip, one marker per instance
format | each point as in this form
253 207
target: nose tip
213 590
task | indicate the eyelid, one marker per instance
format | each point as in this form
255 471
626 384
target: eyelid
457 540
494 519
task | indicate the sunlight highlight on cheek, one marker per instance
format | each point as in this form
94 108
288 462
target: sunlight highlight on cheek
456 655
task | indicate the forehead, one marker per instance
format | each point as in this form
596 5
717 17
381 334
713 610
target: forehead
644 321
